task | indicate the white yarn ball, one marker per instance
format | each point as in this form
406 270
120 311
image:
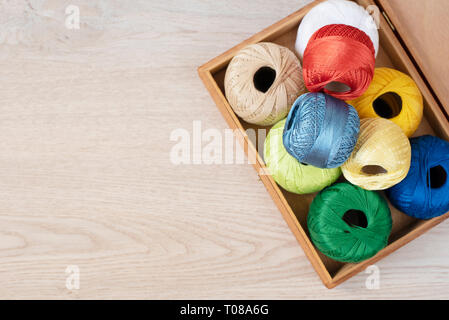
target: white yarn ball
335 12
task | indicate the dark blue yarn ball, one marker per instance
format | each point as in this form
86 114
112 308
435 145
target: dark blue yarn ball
424 193
321 130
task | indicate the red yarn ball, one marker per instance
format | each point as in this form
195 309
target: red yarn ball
339 53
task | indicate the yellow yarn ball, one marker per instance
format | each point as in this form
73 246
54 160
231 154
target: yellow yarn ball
381 157
392 95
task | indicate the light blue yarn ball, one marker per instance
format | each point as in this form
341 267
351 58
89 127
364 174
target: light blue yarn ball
321 130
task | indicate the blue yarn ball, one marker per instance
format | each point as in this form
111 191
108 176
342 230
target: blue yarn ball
424 193
321 130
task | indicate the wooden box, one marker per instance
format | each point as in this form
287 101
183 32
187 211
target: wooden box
294 208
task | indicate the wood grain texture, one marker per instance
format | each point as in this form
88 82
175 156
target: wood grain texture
86 179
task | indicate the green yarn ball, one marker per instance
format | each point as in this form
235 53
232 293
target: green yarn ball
348 223
288 172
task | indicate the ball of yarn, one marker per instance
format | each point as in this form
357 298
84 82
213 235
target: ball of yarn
381 157
262 81
392 95
335 12
290 174
321 130
349 224
424 193
339 60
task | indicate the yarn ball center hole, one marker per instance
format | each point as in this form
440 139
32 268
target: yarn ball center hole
336 86
436 176
373 170
355 218
388 105
264 78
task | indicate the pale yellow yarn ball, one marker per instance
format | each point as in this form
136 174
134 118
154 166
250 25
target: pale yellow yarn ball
392 95
262 81
381 157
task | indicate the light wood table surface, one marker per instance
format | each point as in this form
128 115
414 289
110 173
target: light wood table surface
86 177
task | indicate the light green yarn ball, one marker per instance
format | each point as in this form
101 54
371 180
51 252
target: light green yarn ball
288 172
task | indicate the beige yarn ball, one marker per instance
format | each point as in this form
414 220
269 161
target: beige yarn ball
262 81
